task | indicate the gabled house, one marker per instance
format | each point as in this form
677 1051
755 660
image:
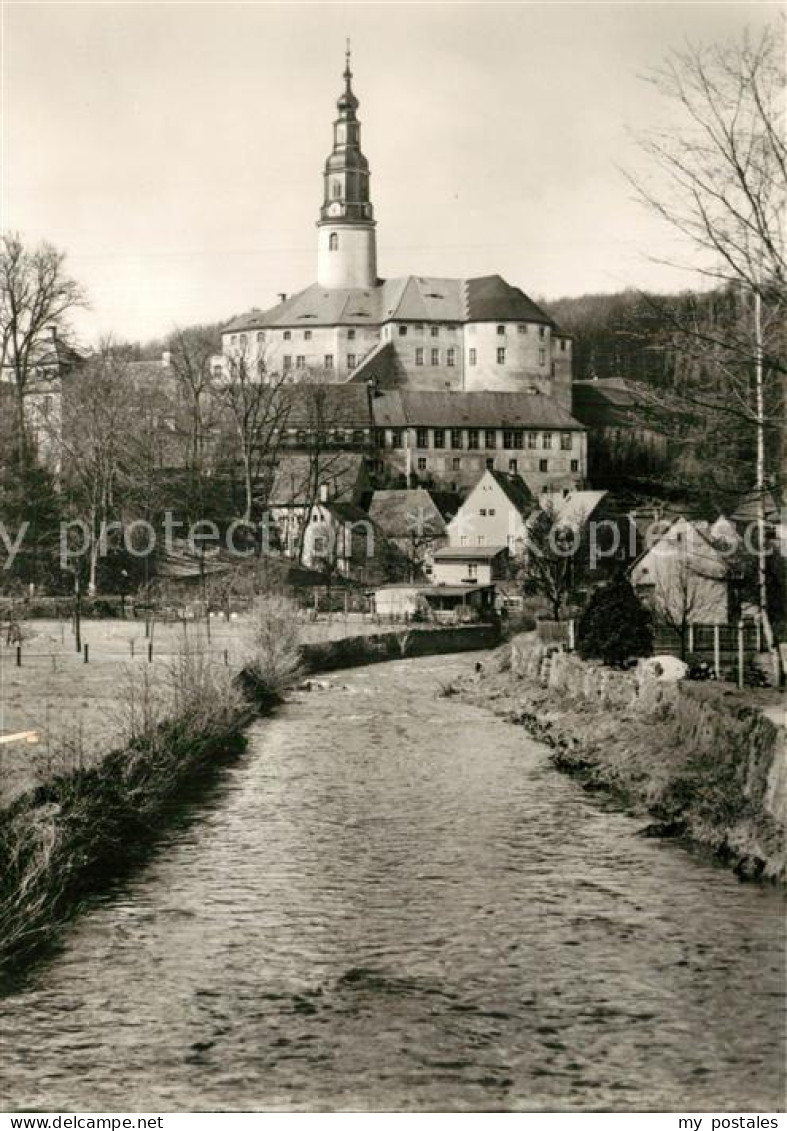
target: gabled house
297 483
684 577
411 520
495 513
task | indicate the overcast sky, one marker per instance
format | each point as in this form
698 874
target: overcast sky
175 150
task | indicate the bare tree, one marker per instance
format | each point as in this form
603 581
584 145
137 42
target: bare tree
723 188
191 361
36 293
257 407
550 548
100 413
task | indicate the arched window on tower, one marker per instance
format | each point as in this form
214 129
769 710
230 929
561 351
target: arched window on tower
336 189
333 241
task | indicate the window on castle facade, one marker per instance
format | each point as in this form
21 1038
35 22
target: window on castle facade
333 242
456 464
419 356
547 440
402 331
439 437
422 463
472 357
307 335
472 439
435 357
329 361
521 328
501 356
543 465
397 438
422 437
490 438
351 335
542 357
501 329
287 335
532 439
300 361
542 331
575 465
565 441
287 361
457 438
351 361
512 466
434 331
563 344
450 357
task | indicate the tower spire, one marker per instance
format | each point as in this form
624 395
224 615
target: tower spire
346 244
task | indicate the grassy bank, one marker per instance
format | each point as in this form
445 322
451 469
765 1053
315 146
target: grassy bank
174 724
700 762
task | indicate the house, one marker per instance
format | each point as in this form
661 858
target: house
684 577
411 521
469 565
434 602
297 482
495 513
623 435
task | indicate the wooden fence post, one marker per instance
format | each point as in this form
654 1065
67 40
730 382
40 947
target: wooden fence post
150 652
691 638
740 654
571 640
19 655
86 652
717 651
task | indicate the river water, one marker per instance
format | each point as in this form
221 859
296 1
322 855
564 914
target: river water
393 902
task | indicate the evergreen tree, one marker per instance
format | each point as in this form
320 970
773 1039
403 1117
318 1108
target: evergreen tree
615 626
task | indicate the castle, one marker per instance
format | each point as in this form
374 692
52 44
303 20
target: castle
496 366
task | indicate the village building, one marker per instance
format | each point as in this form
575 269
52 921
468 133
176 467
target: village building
412 521
684 577
495 513
469 565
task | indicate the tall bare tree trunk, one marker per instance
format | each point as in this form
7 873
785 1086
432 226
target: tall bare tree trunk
762 579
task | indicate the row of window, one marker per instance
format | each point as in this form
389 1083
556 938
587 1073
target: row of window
243 339
422 464
300 361
513 438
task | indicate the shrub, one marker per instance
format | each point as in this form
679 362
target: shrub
273 645
615 625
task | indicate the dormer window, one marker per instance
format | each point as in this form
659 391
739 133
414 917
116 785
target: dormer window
333 242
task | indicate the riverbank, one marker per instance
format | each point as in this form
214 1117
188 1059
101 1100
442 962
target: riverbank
702 762
82 826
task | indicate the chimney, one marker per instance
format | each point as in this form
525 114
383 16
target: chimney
52 331
323 492
282 296
166 358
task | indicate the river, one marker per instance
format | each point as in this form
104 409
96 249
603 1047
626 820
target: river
394 902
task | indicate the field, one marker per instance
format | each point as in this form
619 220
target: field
76 708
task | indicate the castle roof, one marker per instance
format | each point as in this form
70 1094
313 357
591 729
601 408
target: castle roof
400 408
414 298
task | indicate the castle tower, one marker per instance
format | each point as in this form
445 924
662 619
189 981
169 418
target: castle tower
346 243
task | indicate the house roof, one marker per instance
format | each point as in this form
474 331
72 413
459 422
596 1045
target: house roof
290 481
467 553
413 298
608 401
702 554
324 405
400 408
515 489
402 514
576 508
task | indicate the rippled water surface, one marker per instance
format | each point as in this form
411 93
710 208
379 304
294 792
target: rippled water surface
395 903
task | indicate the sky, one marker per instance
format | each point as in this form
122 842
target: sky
174 151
